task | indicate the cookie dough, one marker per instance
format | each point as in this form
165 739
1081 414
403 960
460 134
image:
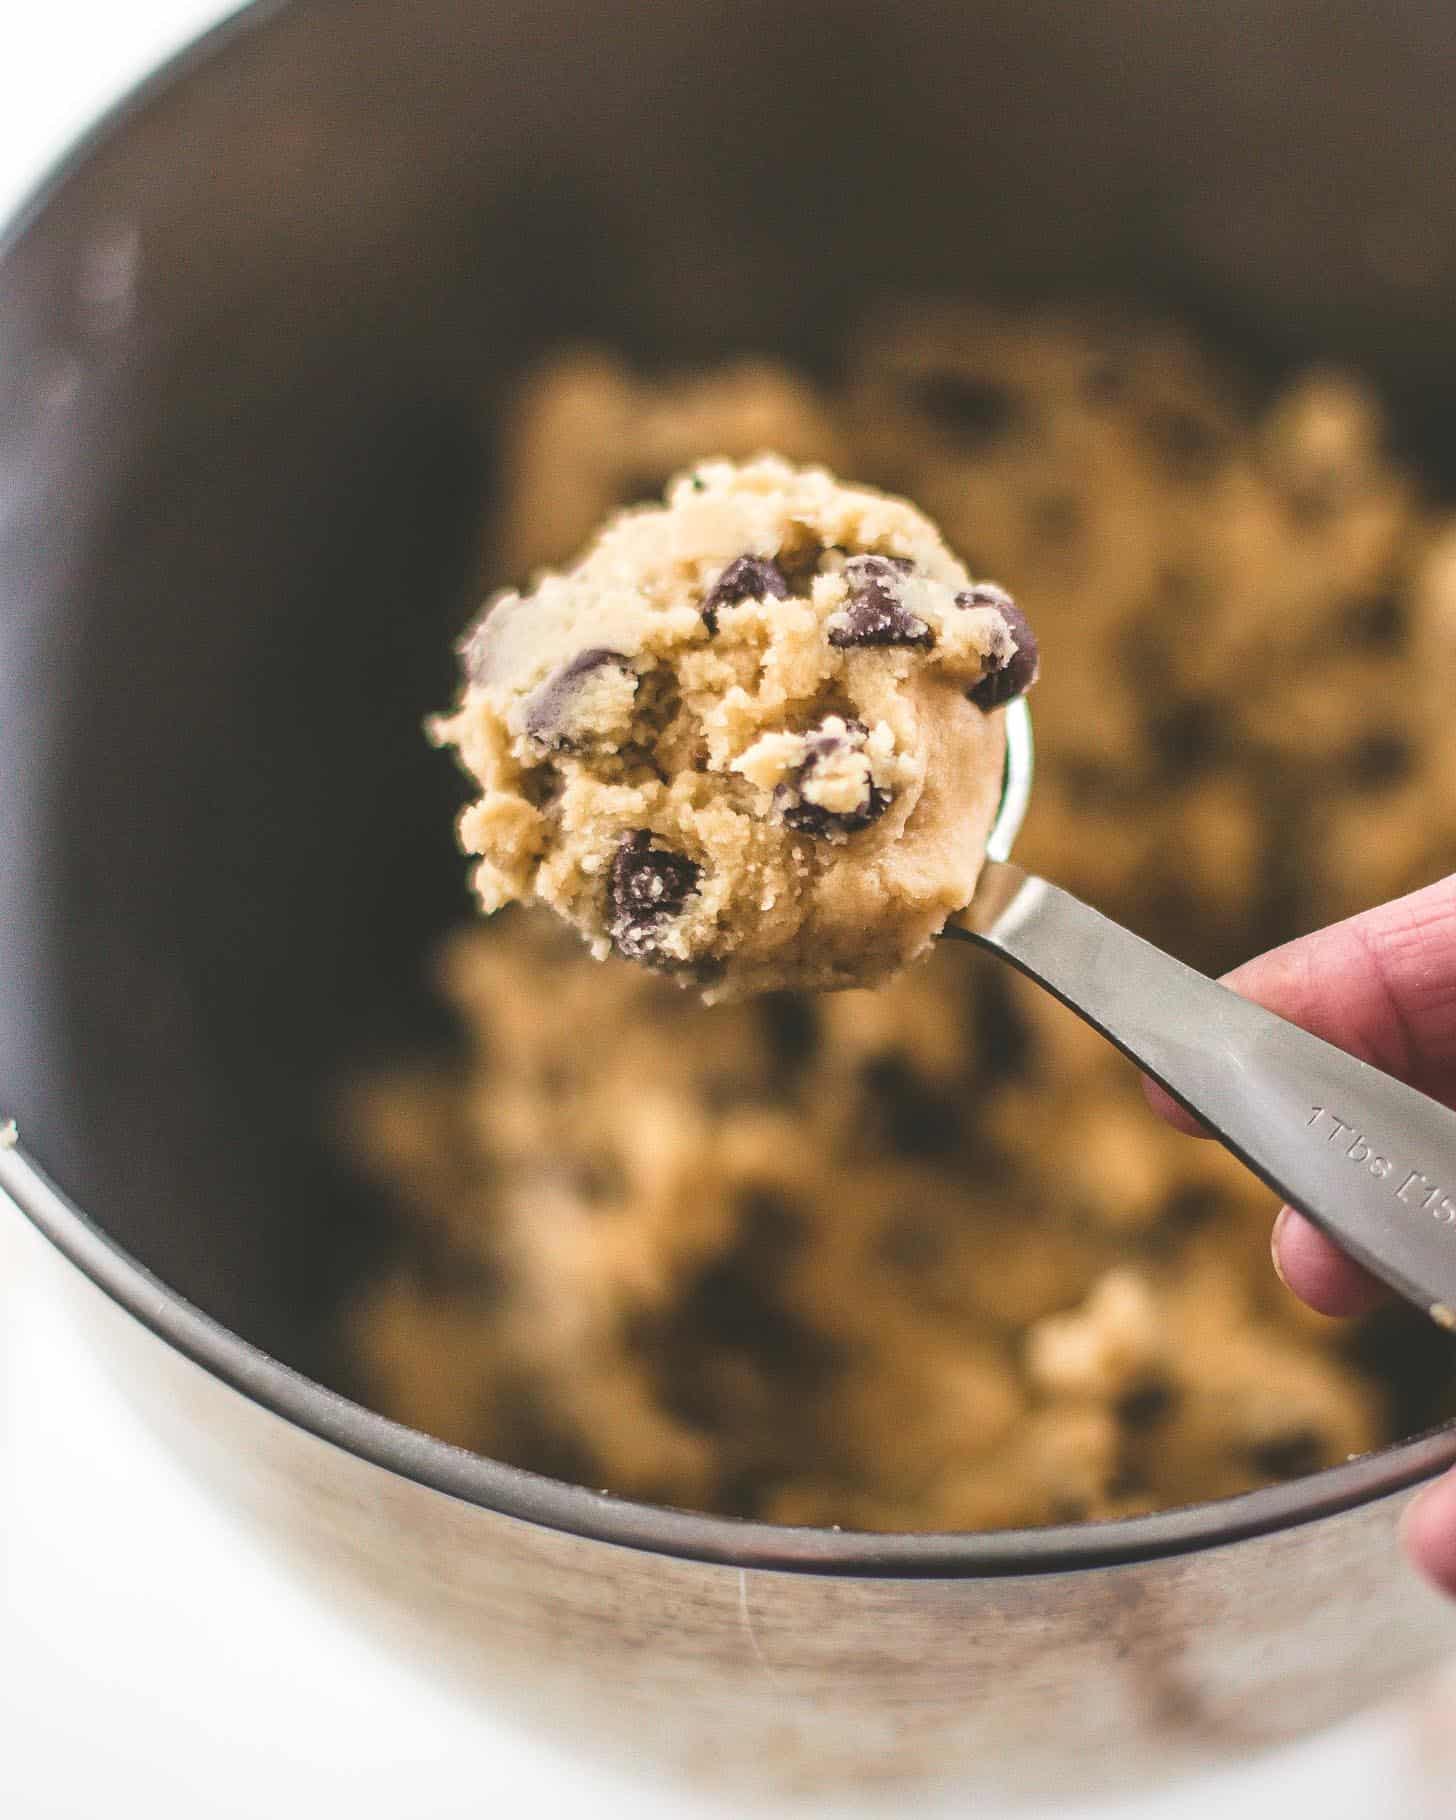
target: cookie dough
825 1258
587 436
753 739
918 1258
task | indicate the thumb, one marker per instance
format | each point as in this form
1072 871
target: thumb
1381 985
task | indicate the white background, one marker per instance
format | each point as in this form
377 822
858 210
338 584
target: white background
152 1661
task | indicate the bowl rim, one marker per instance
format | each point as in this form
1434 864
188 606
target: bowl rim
552 1503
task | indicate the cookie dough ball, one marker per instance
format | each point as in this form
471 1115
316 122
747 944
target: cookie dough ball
754 739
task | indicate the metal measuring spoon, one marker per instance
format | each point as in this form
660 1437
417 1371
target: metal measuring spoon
1369 1160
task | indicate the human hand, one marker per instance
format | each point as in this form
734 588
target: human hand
1383 987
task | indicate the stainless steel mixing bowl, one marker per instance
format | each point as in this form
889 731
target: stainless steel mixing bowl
248 335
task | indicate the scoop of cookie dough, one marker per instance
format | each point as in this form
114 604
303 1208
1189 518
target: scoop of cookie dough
753 739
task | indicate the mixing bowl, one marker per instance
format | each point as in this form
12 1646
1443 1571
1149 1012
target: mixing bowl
249 335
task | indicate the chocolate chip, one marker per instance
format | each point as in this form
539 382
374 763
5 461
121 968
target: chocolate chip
1376 623
771 1227
1106 379
1191 1207
1180 590
518 1411
1190 446
745 578
1018 672
805 817
548 710
975 412
731 1337
649 886
1092 787
873 614
1190 735
1381 759
598 1180
1145 1403
1288 1456
792 1025
914 1117
1314 499
1004 1043
1127 1482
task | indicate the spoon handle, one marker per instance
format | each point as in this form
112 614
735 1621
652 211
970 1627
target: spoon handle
1368 1159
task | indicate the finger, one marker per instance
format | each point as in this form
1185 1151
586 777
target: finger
1381 986
1428 1532
1318 1272
1166 1107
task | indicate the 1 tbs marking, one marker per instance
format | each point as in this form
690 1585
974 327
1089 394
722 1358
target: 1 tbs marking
1414 1188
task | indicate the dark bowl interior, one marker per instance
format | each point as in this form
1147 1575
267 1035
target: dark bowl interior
250 347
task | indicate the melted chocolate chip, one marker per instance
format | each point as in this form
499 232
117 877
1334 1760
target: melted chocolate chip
1145 1403
792 1026
1127 1482
1106 379
548 710
1190 446
807 817
1316 498
1376 623
873 614
1191 735
649 886
913 1117
1189 1208
771 1228
1288 1456
1004 1042
975 412
518 1410
1381 759
745 578
1018 672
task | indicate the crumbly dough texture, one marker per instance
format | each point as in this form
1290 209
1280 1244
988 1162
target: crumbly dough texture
754 738
823 1259
919 1258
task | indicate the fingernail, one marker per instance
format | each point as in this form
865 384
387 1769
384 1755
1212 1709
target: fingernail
1281 1220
